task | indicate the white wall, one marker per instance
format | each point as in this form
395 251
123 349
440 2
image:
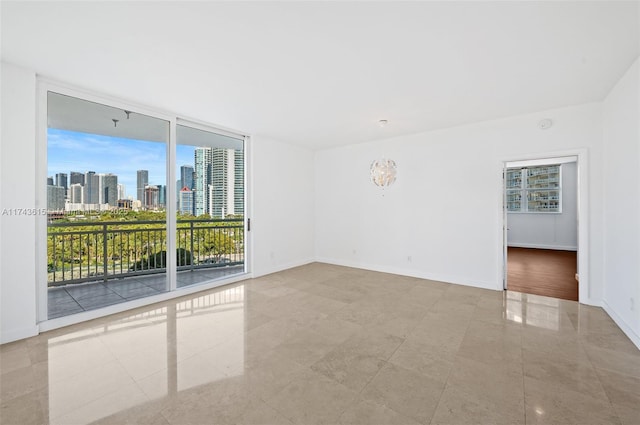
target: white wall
621 124
18 183
444 211
283 205
549 230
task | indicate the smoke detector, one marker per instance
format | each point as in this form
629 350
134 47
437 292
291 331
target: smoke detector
545 124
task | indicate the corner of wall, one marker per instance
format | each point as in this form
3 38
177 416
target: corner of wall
17 190
621 203
626 328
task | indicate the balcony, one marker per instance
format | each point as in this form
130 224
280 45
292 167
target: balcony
93 264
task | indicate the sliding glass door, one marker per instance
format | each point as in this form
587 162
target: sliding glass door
113 202
210 204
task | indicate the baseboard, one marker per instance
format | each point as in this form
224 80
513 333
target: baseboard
542 246
591 302
17 334
456 280
633 336
280 267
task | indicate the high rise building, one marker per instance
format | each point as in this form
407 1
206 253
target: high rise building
122 191
91 193
221 190
218 182
100 189
202 179
162 195
151 197
75 193
186 176
55 198
185 203
108 189
61 180
238 182
50 181
142 181
76 177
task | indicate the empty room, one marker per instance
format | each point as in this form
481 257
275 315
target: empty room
320 212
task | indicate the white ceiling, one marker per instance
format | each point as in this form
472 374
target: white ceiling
70 113
321 74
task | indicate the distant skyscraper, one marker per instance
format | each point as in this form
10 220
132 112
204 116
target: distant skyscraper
238 182
109 189
49 181
142 181
185 203
91 193
122 191
218 182
221 189
75 193
162 195
186 176
55 198
61 180
151 197
76 177
202 179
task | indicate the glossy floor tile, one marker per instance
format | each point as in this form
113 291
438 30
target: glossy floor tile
322 344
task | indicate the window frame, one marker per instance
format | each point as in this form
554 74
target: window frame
524 190
45 85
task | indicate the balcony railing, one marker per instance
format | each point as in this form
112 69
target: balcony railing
91 251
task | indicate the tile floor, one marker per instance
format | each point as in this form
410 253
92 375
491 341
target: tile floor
323 344
71 299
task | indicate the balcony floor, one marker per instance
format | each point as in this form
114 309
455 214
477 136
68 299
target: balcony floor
72 299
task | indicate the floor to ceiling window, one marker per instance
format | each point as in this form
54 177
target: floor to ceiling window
113 200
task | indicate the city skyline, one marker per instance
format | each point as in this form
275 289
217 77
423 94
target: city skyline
70 151
215 174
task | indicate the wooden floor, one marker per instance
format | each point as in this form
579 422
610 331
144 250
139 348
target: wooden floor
543 272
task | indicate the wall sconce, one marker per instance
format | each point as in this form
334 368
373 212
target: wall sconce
383 172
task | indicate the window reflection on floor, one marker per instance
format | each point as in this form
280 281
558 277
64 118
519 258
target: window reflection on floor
533 310
157 352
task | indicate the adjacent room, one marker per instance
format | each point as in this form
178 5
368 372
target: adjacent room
541 199
266 212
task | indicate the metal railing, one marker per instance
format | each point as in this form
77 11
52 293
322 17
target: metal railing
92 251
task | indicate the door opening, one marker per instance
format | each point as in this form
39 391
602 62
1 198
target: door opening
540 227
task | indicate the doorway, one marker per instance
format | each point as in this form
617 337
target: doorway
541 249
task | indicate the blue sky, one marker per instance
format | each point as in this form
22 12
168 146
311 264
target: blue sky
72 151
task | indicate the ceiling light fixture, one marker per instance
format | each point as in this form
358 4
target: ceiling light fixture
383 123
383 172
